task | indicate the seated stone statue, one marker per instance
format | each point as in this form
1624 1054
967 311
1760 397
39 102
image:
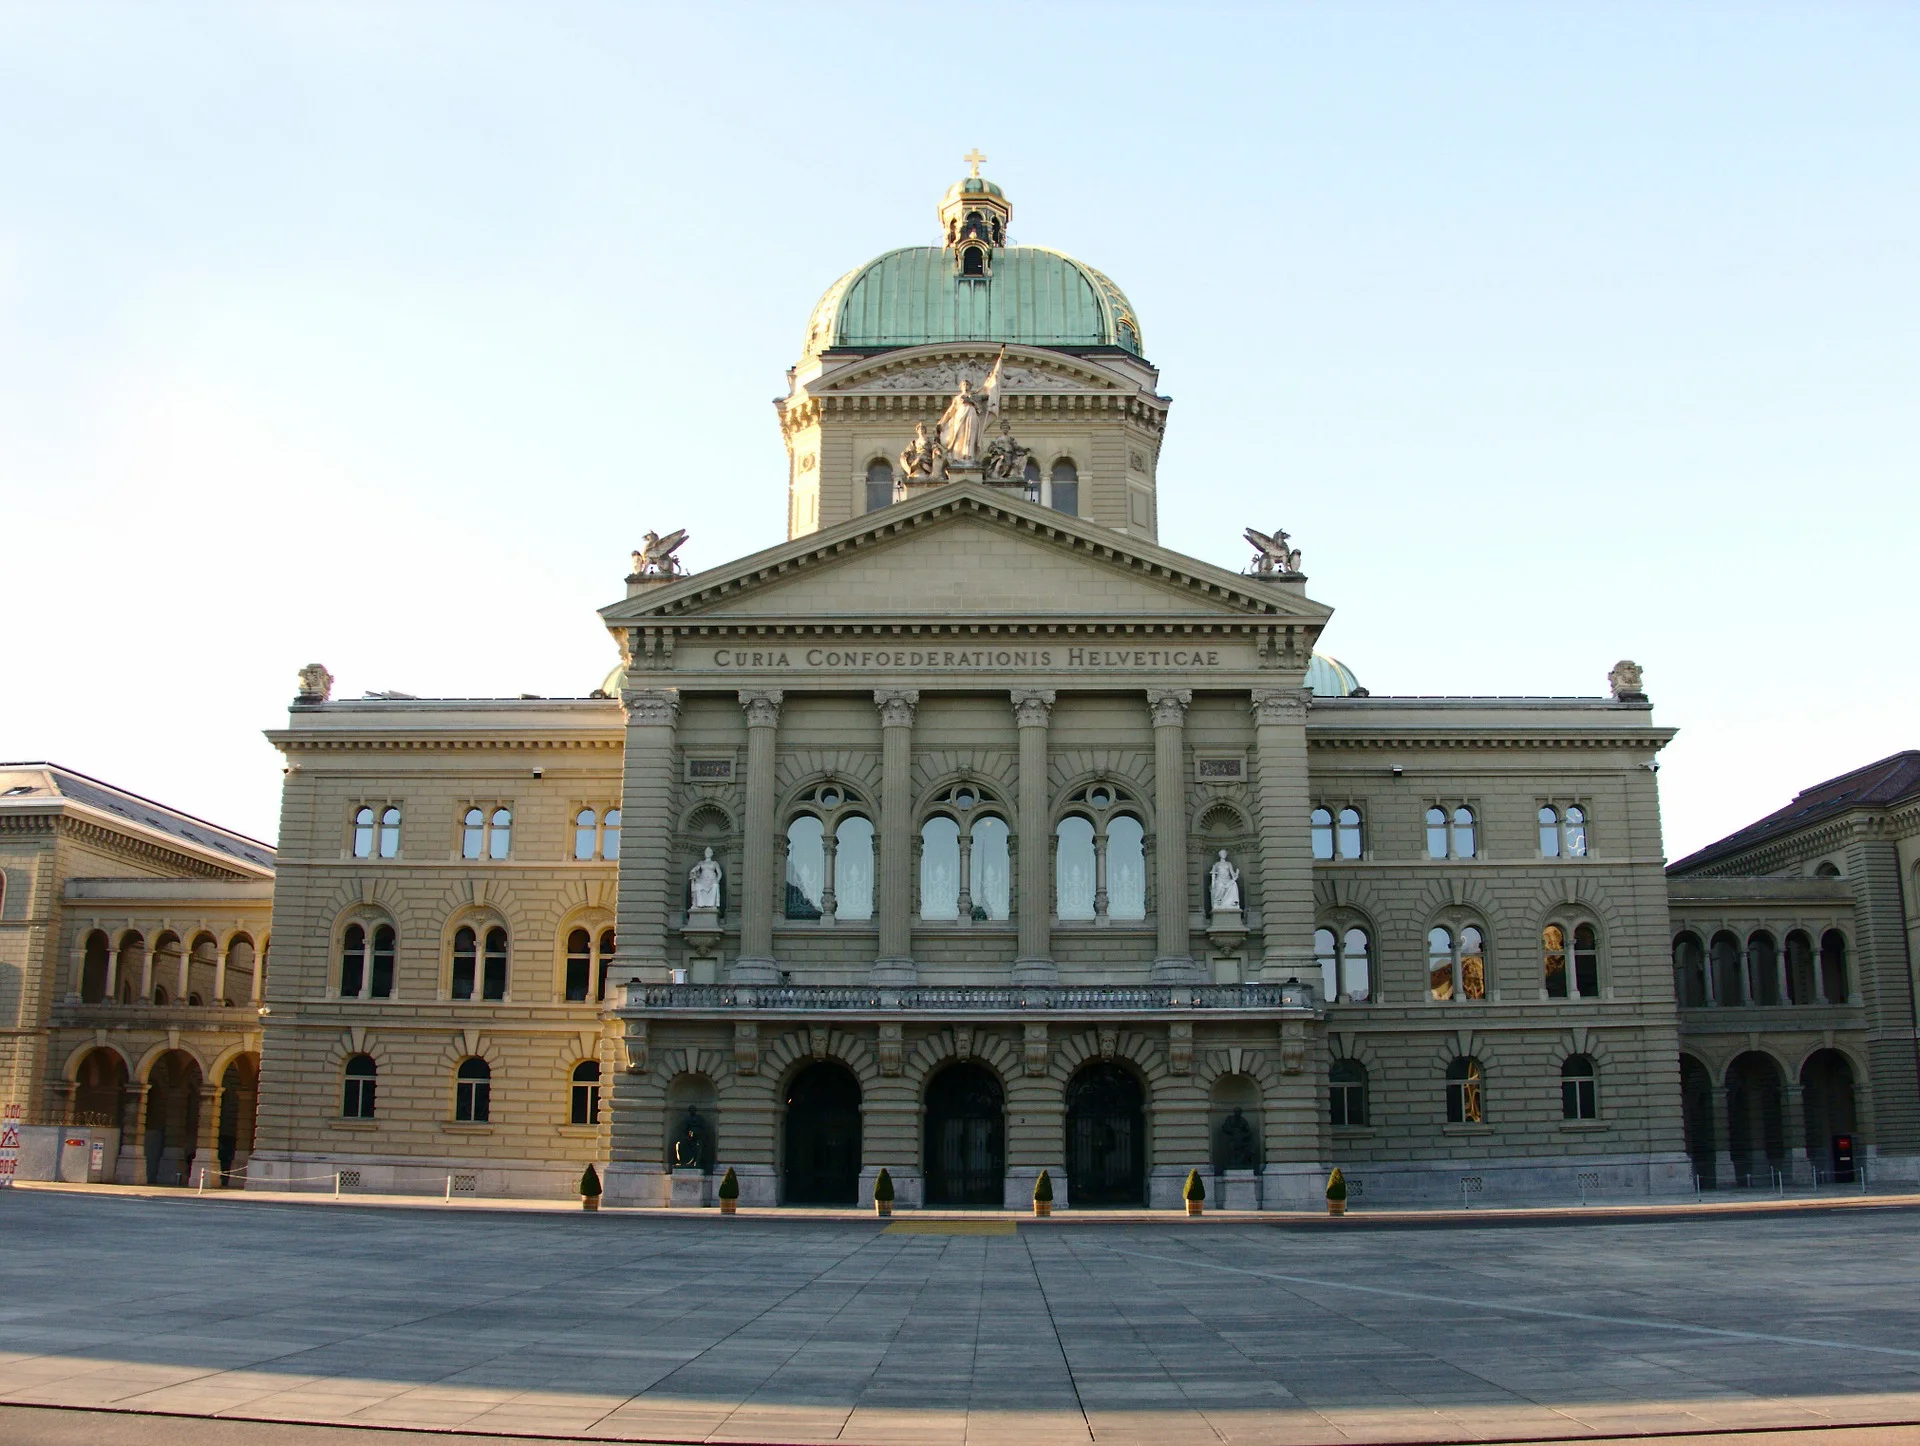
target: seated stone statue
1237 1149
1005 460
692 1150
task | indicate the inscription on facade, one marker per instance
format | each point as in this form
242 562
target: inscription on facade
1052 658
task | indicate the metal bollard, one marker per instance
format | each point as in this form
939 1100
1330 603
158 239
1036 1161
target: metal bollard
449 1189
336 1184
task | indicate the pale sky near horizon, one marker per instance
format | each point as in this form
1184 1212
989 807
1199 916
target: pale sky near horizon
375 335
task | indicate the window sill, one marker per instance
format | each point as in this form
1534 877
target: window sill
1482 1128
361 1125
462 1127
1586 1124
577 1132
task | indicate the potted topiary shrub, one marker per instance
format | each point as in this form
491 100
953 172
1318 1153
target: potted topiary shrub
883 1192
1336 1193
589 1189
1043 1194
1195 1193
729 1192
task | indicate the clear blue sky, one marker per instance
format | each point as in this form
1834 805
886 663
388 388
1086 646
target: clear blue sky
376 335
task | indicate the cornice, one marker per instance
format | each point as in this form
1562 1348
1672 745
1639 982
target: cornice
291 741
131 846
1640 739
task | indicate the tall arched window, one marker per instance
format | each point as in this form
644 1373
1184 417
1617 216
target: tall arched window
579 965
990 874
1322 833
1763 968
583 1103
606 961
1065 485
879 484
1436 833
1352 835
586 833
964 857
1724 954
610 834
494 981
1073 867
1802 986
356 1097
94 968
363 832
1466 1095
1571 961
806 867
1833 966
1452 833
1338 835
1563 834
466 962
390 832
1689 972
490 963
1347 1093
1344 957
353 961
940 868
1126 867
1464 838
1100 862
823 880
380 980
1457 963
500 833
973 262
473 833
376 829
853 868
1579 1089
473 1092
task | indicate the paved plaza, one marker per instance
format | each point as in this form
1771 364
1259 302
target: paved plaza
771 1329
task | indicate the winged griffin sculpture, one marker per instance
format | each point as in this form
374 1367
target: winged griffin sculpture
656 555
1272 556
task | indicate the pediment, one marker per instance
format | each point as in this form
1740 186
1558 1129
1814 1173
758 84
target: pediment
964 552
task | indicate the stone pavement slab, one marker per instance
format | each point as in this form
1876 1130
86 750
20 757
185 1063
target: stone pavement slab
774 1328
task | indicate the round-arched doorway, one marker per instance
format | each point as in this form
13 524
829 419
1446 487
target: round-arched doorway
822 1137
1106 1137
965 1155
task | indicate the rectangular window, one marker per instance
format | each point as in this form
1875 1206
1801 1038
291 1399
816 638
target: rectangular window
1579 1100
358 1104
473 1102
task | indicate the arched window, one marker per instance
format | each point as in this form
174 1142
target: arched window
1322 821
823 881
1457 964
1066 487
1689 972
130 960
1563 834
353 961
490 964
1575 825
853 868
1802 986
1724 954
1464 841
1579 1089
94 969
1100 861
1126 867
1466 1096
1347 1093
356 1097
472 1092
1344 957
390 832
500 833
586 833
473 833
940 868
579 965
583 1104
1073 867
1763 968
606 961
989 870
973 262
363 832
1338 835
494 982
879 484
1828 869
466 958
1571 961
1352 840
1436 833
1833 966
806 867
1033 480
610 834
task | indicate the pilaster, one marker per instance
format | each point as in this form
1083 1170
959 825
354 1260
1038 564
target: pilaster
1173 959
761 860
647 792
895 962
1033 907
1286 845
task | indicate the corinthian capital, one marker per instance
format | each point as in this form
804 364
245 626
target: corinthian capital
762 707
1169 706
1032 707
1280 705
651 705
896 706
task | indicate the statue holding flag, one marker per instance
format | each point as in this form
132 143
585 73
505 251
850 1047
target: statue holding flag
964 423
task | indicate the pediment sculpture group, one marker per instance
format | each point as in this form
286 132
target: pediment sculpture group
958 442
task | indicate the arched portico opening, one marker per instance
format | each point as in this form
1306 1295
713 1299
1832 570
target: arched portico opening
822 1137
1106 1136
1696 1117
1756 1131
172 1125
239 1096
100 1090
1826 1090
965 1152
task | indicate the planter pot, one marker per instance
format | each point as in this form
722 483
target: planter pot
1194 1207
1043 1207
883 1207
589 1202
727 1207
1336 1207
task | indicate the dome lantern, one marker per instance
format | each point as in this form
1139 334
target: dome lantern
974 215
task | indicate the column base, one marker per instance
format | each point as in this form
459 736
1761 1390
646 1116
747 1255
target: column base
754 971
1179 971
1035 971
894 973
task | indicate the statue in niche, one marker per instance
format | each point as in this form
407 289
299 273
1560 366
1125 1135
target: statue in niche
964 423
925 460
703 881
1005 460
1237 1149
1223 881
692 1148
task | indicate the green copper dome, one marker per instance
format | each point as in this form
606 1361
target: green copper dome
1328 677
916 295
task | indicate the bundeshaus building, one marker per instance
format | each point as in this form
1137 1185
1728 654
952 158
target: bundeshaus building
971 833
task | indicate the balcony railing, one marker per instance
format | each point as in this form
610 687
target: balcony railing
966 999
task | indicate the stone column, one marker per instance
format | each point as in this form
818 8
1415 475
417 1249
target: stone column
133 1129
1173 960
895 864
1724 1176
1286 844
647 893
220 973
206 1145
1033 906
761 860
1793 1127
186 965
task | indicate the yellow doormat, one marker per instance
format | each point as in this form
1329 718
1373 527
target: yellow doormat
950 1227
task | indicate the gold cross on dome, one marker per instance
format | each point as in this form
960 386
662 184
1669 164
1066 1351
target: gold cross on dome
974 158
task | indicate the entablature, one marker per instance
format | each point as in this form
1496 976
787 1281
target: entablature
1028 1003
